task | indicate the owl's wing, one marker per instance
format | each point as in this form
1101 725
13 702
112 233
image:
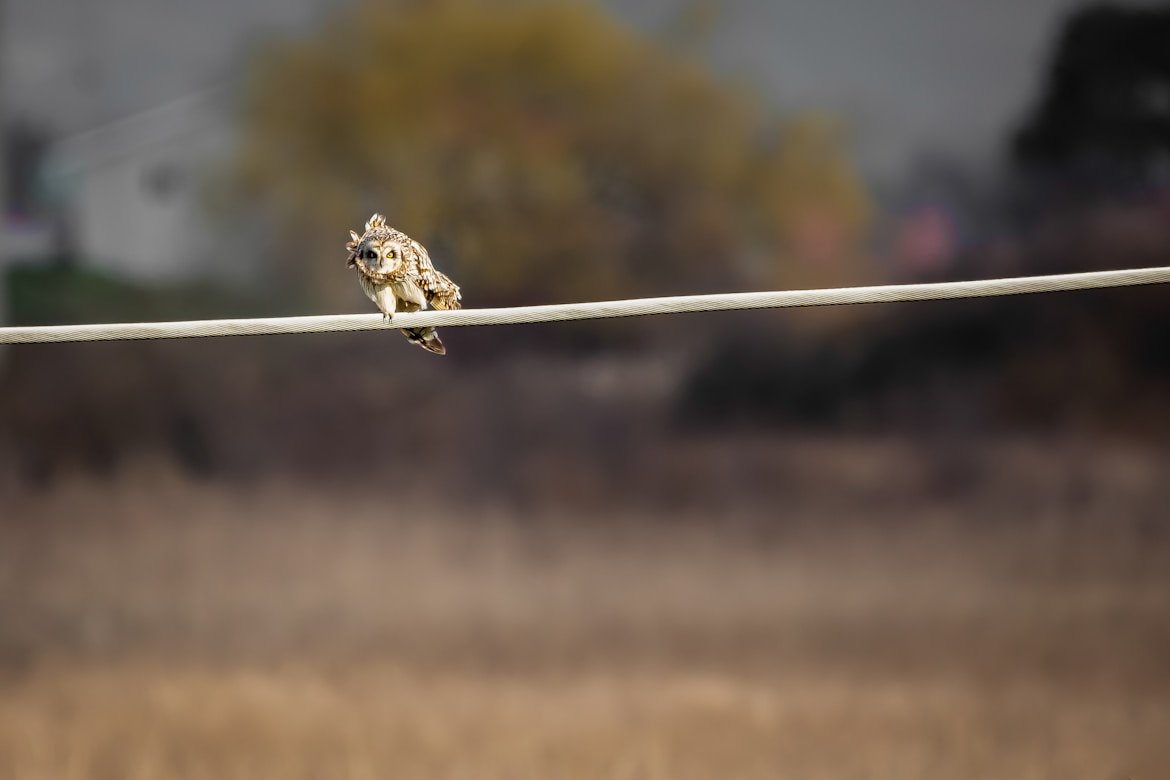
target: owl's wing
441 292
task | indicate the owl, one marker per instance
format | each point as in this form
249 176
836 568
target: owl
396 273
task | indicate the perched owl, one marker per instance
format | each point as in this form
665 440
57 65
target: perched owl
396 272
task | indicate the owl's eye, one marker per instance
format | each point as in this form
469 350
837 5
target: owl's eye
391 254
371 254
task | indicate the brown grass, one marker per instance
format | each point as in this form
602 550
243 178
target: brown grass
154 628
383 721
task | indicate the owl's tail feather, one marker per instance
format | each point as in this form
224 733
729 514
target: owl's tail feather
427 338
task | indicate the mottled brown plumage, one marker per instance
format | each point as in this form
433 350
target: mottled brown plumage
397 274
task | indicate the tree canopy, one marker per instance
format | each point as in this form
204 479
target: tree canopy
1103 116
542 151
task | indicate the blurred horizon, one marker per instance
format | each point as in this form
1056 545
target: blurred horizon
915 79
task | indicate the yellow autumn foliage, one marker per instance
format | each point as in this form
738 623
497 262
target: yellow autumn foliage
543 151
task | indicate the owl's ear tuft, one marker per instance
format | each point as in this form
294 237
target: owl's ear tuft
354 237
376 221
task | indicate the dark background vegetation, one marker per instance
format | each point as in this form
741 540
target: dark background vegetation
889 541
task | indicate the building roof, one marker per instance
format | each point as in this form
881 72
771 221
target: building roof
189 115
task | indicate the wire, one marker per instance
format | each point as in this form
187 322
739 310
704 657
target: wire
587 311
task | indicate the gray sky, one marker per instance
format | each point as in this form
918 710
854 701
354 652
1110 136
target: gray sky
911 76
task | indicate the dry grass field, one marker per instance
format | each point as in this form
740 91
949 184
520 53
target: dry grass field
154 627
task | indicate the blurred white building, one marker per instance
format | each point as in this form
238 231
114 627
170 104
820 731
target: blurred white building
131 192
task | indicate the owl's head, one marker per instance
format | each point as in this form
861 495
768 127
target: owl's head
378 251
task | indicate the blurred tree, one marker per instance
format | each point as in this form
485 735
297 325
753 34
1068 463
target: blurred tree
542 151
1103 119
818 198
691 26
821 213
